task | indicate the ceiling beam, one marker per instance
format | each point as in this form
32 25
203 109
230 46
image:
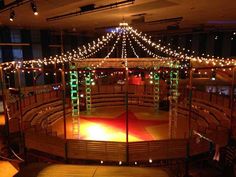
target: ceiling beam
94 9
13 4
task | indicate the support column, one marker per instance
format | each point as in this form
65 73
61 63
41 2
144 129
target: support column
64 109
232 121
174 83
74 99
189 124
18 77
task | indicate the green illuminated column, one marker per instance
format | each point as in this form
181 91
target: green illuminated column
88 83
174 82
74 98
156 87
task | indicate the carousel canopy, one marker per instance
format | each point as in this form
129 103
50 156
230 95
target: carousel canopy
126 38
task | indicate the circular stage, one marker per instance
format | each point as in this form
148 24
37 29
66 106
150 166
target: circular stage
109 124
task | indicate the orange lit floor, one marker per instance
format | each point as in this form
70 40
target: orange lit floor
7 169
2 119
62 170
108 124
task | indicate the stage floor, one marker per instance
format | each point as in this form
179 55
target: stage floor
108 124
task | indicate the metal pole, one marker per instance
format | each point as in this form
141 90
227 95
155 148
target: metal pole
64 108
126 115
232 101
20 109
189 125
62 46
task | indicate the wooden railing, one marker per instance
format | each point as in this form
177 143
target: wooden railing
96 150
27 104
115 151
44 143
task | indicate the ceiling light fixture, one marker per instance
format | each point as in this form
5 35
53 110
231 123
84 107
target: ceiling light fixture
12 15
34 7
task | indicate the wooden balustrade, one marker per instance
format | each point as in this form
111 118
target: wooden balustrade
27 104
115 151
44 143
157 150
96 150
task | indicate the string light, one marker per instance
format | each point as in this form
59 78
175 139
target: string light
128 33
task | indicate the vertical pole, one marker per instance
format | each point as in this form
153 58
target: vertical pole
55 72
64 98
64 108
34 85
62 46
189 125
20 109
127 114
232 102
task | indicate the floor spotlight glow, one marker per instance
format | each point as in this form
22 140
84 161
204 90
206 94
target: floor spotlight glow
96 132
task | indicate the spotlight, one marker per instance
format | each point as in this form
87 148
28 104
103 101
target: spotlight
34 8
213 75
12 15
150 160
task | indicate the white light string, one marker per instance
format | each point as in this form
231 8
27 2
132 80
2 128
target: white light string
110 52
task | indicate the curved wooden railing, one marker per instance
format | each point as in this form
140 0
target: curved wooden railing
31 106
116 151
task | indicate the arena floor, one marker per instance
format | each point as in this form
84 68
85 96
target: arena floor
108 124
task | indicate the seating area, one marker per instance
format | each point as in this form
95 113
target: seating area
123 82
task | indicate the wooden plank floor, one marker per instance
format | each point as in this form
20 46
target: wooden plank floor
147 125
58 170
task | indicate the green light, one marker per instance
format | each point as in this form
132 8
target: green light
88 83
156 84
74 94
174 84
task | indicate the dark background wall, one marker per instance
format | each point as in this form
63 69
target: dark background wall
45 43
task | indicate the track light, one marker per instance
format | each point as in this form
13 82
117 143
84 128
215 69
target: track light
213 75
12 15
34 7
